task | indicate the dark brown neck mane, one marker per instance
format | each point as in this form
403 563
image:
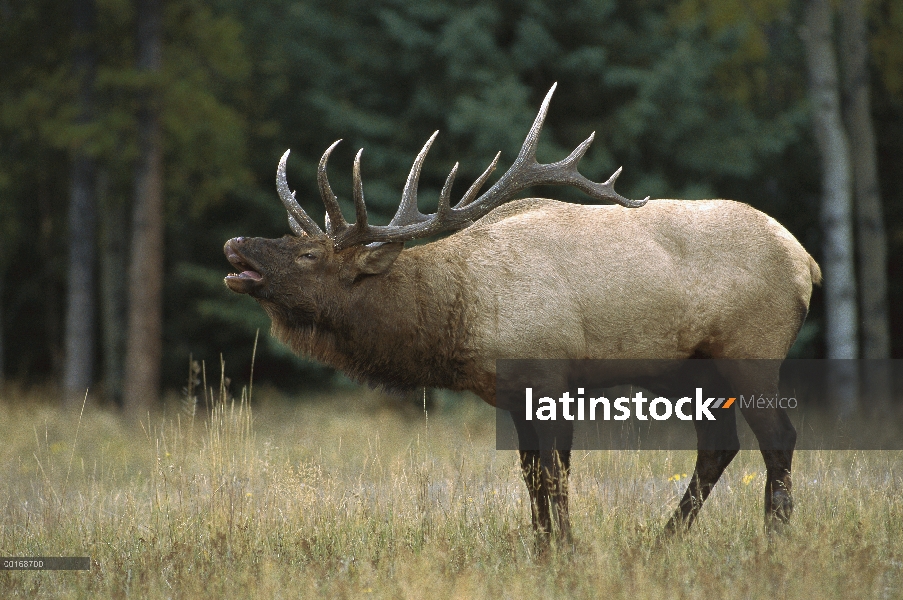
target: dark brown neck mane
398 330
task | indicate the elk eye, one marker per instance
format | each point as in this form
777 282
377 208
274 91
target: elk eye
309 256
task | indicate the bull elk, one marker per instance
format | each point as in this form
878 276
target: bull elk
537 278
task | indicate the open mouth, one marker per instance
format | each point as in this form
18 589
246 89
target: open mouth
247 276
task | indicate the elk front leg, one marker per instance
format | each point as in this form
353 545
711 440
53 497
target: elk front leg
556 469
546 476
538 491
710 464
545 458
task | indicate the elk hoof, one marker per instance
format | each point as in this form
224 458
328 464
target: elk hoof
777 515
675 526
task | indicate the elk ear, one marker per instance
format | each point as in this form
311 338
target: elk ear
375 260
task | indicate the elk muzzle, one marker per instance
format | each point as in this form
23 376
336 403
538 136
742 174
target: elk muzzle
248 278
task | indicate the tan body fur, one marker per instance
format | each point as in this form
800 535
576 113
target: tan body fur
670 280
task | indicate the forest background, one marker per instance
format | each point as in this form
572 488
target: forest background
136 137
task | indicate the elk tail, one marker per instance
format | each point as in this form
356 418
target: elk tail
814 271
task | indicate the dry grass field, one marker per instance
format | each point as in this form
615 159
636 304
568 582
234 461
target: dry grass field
347 497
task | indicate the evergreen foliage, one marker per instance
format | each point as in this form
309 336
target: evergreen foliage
696 98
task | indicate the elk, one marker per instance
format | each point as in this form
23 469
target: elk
536 278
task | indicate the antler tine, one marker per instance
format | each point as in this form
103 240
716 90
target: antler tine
478 184
335 221
298 219
359 207
528 150
296 229
407 210
578 153
605 191
445 194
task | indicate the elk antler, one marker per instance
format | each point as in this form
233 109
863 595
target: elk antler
409 223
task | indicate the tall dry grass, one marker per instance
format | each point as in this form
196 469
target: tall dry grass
344 497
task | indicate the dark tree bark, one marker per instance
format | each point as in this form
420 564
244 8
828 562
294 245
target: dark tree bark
144 340
871 237
113 277
49 251
80 295
841 322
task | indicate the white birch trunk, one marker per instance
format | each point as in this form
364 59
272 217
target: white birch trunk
841 321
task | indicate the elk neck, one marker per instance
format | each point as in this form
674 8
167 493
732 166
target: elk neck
400 330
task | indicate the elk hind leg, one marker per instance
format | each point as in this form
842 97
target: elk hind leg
774 432
717 445
777 440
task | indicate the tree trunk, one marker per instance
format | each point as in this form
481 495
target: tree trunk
871 237
841 323
80 294
80 305
48 252
113 269
144 343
